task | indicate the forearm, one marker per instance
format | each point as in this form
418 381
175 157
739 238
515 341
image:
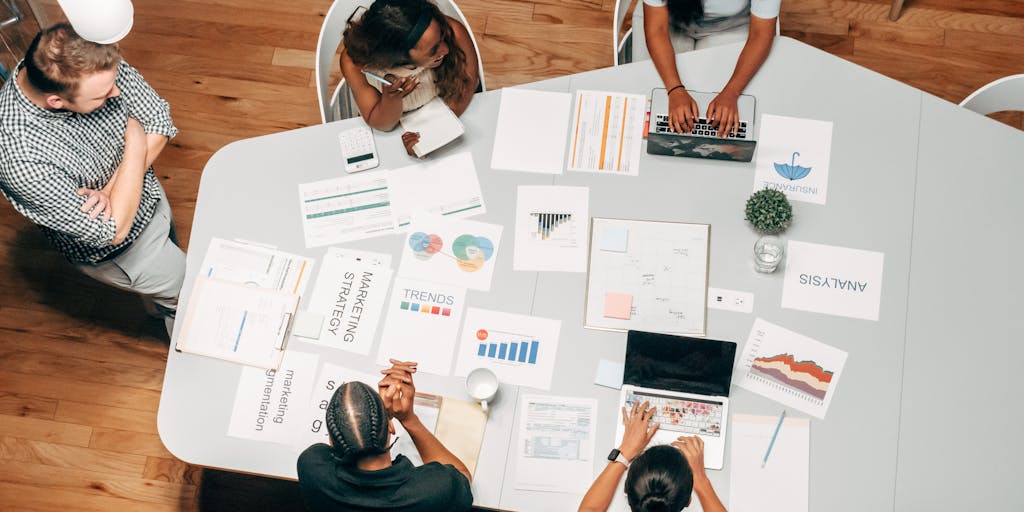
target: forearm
602 491
459 105
385 114
659 45
430 448
706 495
753 55
126 190
155 143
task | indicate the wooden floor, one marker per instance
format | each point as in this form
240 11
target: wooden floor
82 366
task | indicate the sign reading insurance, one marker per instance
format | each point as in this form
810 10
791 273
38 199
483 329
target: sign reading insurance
833 280
793 156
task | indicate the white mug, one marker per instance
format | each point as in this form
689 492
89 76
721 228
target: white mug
482 385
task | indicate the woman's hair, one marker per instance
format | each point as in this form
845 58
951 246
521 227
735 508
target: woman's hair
357 422
659 480
380 39
682 12
58 58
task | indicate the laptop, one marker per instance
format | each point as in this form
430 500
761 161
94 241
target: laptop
702 141
687 380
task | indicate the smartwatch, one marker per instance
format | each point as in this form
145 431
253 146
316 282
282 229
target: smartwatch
616 456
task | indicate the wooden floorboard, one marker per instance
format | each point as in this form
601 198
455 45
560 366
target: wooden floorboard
83 364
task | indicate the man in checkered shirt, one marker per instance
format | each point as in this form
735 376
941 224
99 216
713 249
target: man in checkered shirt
79 129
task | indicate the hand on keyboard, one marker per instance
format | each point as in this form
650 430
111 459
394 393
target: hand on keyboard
724 113
682 111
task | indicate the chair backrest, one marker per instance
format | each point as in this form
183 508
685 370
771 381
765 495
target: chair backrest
338 103
622 12
1007 93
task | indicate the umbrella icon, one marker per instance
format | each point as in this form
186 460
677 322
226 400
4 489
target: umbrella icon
791 171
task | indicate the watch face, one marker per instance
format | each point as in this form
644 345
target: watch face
614 454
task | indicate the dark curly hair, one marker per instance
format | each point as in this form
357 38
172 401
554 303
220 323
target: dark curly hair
659 480
357 422
682 12
378 39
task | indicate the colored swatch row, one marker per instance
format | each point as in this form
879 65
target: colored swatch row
522 352
426 308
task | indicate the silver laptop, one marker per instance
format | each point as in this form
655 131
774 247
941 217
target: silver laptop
687 380
703 140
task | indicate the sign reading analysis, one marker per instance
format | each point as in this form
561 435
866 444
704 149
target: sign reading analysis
833 282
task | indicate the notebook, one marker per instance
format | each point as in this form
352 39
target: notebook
436 124
687 380
703 140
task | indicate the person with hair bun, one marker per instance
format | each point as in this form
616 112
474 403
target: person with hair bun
420 51
356 472
660 478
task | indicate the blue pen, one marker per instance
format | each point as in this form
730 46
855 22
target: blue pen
775 435
377 78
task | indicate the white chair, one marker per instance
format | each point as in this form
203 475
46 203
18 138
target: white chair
1007 93
338 103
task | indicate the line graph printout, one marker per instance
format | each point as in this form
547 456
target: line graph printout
790 368
647 275
551 228
346 208
607 131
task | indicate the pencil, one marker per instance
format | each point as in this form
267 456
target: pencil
774 435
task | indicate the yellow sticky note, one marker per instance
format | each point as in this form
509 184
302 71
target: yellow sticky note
618 305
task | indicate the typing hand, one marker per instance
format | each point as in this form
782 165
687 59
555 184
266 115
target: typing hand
724 114
692 449
682 111
410 139
97 203
639 430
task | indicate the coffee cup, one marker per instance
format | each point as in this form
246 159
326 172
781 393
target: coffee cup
482 386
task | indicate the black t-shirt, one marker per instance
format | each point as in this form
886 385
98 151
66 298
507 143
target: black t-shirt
328 485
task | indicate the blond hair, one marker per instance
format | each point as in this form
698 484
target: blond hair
59 58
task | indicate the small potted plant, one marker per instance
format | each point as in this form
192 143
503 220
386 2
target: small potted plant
770 213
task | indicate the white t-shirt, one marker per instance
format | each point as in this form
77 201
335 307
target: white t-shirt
767 9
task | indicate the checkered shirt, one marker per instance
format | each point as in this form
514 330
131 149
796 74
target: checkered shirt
46 156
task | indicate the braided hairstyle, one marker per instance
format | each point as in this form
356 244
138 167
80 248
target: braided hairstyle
659 480
357 422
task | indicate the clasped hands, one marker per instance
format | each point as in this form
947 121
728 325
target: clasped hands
723 112
397 390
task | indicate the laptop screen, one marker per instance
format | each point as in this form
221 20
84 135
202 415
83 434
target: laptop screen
679 363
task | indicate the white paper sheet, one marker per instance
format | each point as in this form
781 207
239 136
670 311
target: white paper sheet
272 406
663 271
427 410
422 324
555 452
607 132
256 265
349 292
436 124
531 131
609 374
346 208
551 228
833 280
782 484
447 250
790 368
447 186
519 349
793 156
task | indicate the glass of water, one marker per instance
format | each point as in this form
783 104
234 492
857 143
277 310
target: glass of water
768 253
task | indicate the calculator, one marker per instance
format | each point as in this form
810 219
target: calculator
358 149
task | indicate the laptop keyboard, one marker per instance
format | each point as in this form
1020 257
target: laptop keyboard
682 415
701 127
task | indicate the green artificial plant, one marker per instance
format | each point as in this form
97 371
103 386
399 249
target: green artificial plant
769 211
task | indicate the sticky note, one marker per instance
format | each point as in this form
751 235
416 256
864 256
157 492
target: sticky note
609 374
614 238
618 305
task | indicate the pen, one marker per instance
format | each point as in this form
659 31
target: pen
775 435
377 78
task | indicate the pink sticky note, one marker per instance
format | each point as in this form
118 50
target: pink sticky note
618 305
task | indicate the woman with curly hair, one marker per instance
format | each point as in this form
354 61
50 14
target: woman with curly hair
420 51
356 472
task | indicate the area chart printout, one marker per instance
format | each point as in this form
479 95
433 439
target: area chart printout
519 349
551 229
607 131
790 368
346 208
555 452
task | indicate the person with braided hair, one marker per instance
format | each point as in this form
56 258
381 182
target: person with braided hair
356 471
658 479
420 52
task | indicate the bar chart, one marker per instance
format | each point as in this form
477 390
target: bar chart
524 352
547 222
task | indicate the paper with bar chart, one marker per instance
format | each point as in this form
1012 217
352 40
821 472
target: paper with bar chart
447 250
607 132
790 368
447 186
346 208
551 228
520 349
